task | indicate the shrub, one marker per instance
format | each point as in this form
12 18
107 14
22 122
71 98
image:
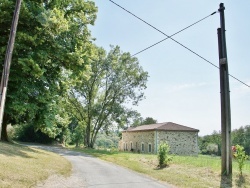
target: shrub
163 154
240 156
212 148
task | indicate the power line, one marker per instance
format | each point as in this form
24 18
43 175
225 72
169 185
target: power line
174 34
170 37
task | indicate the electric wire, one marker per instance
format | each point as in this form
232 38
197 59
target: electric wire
170 37
173 34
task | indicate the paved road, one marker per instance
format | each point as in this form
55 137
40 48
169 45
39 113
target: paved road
91 172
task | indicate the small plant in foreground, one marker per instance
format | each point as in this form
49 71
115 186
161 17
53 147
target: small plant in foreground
240 156
163 154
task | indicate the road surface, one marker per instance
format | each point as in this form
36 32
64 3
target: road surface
91 172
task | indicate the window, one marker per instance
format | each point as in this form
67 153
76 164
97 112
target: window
131 145
126 148
149 148
142 147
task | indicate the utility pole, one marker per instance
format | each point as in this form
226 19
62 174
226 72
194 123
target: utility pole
7 61
226 151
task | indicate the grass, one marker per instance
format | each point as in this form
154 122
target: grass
183 171
23 166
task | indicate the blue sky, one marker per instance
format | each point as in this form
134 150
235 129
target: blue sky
182 88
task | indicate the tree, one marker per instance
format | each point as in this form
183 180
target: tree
129 118
246 144
148 121
206 143
238 136
241 137
116 79
52 37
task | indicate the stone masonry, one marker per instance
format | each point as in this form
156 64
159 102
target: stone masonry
181 142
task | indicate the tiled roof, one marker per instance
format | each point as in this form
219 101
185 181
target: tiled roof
167 126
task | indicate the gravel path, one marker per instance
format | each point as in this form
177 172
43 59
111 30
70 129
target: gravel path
91 172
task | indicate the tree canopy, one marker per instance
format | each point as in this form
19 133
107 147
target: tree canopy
240 136
148 121
61 84
52 37
98 101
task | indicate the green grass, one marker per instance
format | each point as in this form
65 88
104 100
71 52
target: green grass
22 166
184 171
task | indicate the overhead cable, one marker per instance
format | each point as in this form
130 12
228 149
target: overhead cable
170 37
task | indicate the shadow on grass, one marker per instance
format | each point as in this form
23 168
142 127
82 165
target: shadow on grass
240 181
226 182
161 167
14 150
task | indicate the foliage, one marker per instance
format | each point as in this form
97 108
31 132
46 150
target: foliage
148 121
129 118
107 141
77 135
240 156
98 101
27 133
163 154
138 120
241 137
206 142
212 148
52 37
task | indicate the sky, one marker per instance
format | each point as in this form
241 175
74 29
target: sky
182 88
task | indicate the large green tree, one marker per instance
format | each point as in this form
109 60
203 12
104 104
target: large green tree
52 37
116 79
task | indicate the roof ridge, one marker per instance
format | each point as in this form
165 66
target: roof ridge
168 126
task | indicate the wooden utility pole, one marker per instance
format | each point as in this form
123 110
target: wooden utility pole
226 151
7 61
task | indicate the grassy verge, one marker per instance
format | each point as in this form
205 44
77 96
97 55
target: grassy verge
23 166
184 171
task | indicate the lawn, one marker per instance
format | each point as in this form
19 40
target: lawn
22 166
183 171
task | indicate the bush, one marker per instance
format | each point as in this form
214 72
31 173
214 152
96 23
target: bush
240 156
212 148
163 154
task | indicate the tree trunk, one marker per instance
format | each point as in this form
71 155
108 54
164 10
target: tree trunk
4 134
93 139
87 137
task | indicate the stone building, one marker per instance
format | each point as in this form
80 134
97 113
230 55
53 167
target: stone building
146 138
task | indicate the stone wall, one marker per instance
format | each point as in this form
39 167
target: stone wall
138 141
181 143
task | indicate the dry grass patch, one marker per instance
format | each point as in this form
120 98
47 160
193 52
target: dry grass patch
184 171
23 166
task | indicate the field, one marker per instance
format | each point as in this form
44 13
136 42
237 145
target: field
22 166
183 171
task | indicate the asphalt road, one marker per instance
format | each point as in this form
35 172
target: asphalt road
91 172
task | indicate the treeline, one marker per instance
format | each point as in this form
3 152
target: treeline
211 144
